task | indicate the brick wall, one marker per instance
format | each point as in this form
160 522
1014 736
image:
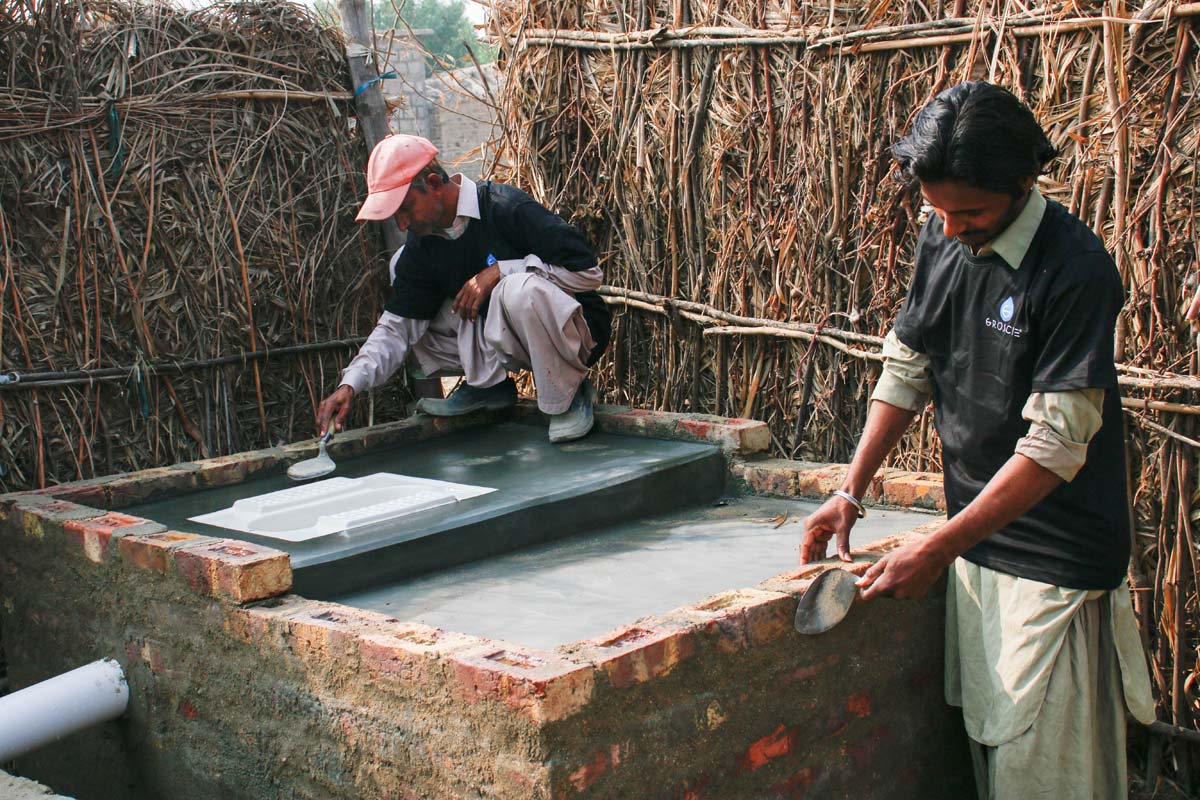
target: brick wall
464 120
240 689
451 109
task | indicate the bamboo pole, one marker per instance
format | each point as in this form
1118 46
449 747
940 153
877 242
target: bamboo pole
372 110
930 34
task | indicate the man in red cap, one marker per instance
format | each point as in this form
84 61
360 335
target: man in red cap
489 281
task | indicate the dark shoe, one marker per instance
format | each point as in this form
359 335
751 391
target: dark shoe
576 421
467 398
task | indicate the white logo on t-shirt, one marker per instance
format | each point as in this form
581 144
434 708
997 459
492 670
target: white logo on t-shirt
1007 310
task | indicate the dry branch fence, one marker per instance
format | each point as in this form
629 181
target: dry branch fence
731 159
180 270
177 191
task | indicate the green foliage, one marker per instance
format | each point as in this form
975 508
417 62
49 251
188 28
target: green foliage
451 30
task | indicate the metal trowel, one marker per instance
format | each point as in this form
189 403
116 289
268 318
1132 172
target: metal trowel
311 468
826 601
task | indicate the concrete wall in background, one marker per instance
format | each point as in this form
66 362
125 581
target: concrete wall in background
450 108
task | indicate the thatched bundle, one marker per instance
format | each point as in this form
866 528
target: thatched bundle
732 159
174 187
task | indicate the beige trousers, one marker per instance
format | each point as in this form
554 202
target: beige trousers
1044 676
1075 749
531 324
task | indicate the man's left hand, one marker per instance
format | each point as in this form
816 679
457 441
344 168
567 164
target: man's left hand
905 574
475 292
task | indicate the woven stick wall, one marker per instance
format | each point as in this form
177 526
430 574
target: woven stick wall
175 187
731 158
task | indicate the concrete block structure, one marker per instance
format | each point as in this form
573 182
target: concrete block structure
242 688
451 108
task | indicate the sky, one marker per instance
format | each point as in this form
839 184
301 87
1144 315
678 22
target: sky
476 12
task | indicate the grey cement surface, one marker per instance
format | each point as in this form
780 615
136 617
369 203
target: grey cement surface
14 788
584 586
544 491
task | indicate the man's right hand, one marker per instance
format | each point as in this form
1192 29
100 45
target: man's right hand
835 517
334 409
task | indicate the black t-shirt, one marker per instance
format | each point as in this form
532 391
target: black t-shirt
994 335
432 269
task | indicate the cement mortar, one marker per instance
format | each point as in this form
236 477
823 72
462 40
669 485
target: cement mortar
544 492
14 788
581 587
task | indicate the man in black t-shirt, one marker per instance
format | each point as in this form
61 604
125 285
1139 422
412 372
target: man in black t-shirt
1008 326
489 281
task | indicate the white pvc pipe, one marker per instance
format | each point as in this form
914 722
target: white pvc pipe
48 711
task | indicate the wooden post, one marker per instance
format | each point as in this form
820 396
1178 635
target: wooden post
370 105
372 119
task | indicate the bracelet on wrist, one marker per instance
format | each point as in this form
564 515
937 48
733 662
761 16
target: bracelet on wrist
852 500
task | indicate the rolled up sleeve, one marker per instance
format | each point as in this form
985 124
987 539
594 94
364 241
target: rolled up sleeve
907 380
584 280
1061 424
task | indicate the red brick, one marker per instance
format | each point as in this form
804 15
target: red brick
742 618
771 478
542 686
136 487
781 742
859 704
602 761
873 551
322 633
915 490
743 436
639 653
793 582
93 535
21 512
86 492
819 481
226 470
154 656
264 622
153 550
240 571
403 651
592 771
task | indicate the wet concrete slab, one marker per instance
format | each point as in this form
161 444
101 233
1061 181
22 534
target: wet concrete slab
584 586
543 492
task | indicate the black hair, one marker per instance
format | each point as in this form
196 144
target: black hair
432 168
977 133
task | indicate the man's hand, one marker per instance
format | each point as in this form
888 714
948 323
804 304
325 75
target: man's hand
335 409
905 574
475 292
834 518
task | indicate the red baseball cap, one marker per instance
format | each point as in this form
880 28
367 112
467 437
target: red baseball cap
394 162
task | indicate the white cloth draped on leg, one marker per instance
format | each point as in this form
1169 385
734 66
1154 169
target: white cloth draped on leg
532 324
